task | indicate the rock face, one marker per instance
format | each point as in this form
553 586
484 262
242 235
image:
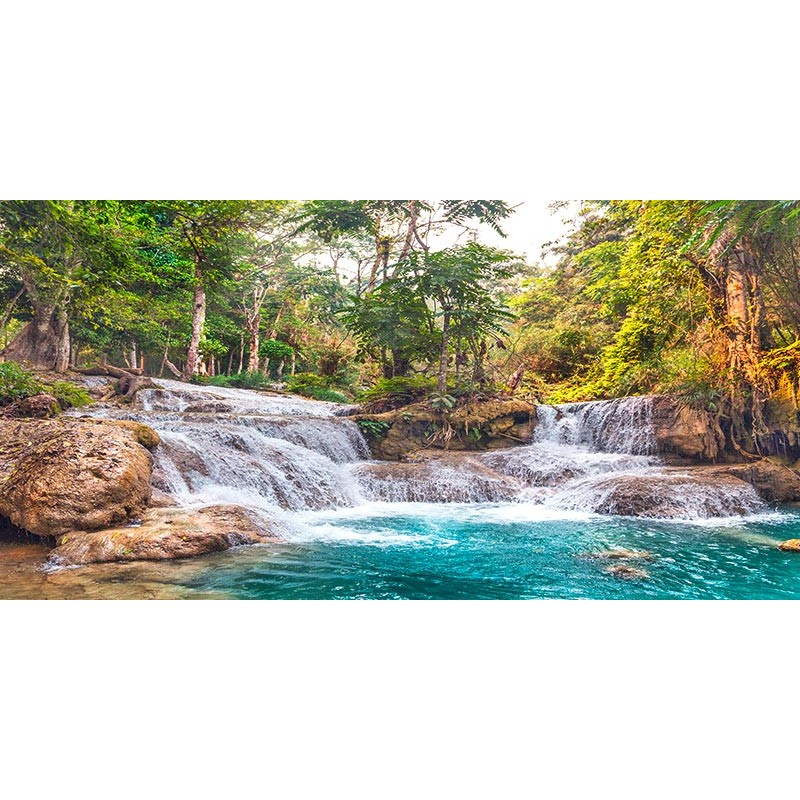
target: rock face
65 474
164 533
775 483
686 432
476 426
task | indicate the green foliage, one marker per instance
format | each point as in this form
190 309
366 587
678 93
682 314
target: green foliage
373 428
241 380
275 350
442 401
17 383
317 387
409 387
328 395
69 395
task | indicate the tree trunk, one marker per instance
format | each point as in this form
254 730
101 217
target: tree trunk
253 359
44 340
479 357
443 358
400 364
198 322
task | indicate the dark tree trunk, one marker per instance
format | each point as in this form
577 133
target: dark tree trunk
44 340
400 364
253 359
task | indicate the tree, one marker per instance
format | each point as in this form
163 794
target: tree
62 251
210 234
433 298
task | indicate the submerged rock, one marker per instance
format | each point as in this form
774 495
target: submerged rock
623 553
64 474
164 533
627 572
790 546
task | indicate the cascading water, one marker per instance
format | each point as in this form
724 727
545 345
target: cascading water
276 452
601 457
232 446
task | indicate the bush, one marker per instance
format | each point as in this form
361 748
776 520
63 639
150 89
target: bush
303 382
242 380
69 395
411 387
17 384
329 395
317 387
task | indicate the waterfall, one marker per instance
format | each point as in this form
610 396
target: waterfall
612 426
601 457
273 452
261 450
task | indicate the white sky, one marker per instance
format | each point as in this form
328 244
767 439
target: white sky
531 226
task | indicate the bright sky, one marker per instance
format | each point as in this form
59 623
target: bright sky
531 226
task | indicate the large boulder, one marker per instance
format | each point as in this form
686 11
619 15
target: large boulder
65 474
164 533
686 432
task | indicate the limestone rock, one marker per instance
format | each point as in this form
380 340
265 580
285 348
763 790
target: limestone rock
482 425
791 546
622 553
681 494
164 533
776 483
627 572
64 474
686 432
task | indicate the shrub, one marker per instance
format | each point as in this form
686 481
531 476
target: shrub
317 387
329 395
411 387
242 380
373 428
303 382
17 384
69 395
